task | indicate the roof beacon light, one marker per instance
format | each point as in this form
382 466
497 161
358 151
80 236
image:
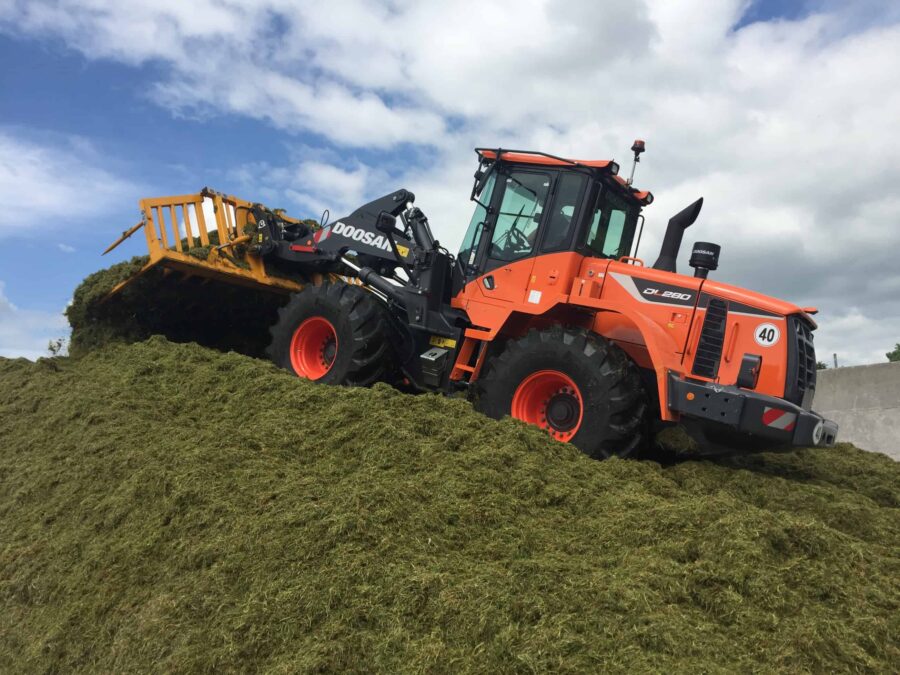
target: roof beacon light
637 149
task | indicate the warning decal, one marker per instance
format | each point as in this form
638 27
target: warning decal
779 419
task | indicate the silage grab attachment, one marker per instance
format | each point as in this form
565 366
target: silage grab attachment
204 234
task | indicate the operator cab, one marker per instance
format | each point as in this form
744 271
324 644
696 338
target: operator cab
531 203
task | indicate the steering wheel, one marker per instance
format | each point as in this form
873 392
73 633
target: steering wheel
517 239
513 241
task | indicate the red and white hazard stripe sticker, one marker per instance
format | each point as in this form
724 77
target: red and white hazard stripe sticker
779 419
322 235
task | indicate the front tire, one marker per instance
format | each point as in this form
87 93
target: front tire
335 333
578 386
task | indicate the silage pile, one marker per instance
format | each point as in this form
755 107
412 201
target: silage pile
168 507
210 313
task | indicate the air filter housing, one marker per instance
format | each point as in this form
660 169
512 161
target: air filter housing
704 258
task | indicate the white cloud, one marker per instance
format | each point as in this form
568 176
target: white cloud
65 248
788 128
25 332
230 58
59 178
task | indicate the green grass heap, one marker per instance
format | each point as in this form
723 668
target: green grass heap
211 313
168 507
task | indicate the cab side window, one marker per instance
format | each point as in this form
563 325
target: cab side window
559 226
612 227
519 215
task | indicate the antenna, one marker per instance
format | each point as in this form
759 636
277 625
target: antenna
637 149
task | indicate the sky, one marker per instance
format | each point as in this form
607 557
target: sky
784 116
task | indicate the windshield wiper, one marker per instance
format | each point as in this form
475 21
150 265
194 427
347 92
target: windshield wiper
517 182
513 226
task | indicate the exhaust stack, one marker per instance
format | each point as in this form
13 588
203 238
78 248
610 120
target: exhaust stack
674 232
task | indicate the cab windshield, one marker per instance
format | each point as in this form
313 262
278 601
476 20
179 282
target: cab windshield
612 225
519 215
469 246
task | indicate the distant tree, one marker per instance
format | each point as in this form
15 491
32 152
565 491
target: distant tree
894 355
821 365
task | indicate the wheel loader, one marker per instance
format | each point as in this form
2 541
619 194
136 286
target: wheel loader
545 313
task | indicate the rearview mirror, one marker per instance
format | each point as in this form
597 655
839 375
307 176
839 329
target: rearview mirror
481 178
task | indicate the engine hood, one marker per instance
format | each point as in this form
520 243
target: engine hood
752 299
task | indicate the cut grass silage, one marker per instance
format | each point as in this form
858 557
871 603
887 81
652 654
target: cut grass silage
171 508
210 313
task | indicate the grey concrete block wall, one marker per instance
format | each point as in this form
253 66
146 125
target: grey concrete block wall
865 402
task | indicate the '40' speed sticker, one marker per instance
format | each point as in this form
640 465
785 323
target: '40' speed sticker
767 334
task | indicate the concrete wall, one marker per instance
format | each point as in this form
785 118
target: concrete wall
865 402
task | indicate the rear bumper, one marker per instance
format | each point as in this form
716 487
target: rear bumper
746 411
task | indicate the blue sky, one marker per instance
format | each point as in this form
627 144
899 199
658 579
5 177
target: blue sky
54 94
776 112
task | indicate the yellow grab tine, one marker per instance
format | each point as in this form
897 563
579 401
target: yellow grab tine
201 222
162 226
186 212
175 227
127 233
240 220
221 227
150 230
232 231
240 240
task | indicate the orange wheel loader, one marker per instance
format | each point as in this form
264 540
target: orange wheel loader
545 313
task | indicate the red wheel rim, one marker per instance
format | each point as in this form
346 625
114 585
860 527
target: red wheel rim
313 348
550 400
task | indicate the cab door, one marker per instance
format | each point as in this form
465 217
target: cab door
555 262
508 255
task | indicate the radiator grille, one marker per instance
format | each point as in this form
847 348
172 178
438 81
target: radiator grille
801 376
712 337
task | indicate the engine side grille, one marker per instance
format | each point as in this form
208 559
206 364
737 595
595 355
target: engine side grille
800 386
712 337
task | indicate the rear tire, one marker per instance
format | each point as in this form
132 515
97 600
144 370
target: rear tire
335 333
577 385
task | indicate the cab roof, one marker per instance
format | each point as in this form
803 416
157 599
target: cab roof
608 166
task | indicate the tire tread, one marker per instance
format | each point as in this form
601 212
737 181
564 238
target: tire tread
372 354
627 421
